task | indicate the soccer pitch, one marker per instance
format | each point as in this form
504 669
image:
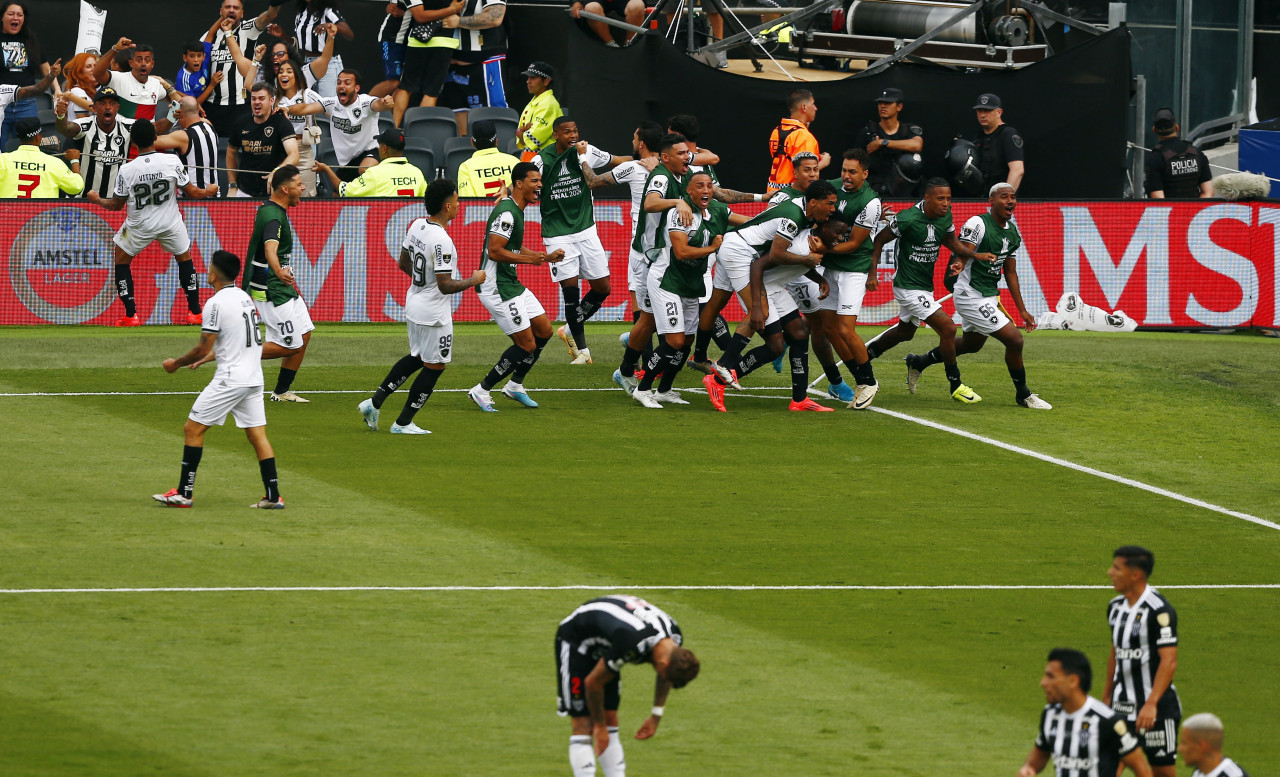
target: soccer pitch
895 658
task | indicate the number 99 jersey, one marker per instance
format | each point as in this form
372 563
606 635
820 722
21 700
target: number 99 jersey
430 251
149 186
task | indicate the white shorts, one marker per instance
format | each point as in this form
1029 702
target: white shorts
672 313
707 282
584 257
980 314
805 293
847 292
431 344
287 323
733 264
513 315
173 240
643 301
244 403
780 304
915 306
637 270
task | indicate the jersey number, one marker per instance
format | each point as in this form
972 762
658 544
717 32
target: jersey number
491 188
152 193
404 192
252 334
419 269
26 185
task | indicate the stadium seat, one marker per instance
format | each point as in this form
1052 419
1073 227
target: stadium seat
456 151
421 155
47 116
434 124
385 122
505 119
44 101
511 148
327 156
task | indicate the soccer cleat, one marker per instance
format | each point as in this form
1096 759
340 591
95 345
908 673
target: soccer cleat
172 498
482 399
727 377
267 504
863 396
409 428
583 357
966 395
564 334
626 384
647 398
638 375
519 395
625 339
778 362
913 373
134 320
703 366
288 396
671 398
809 404
369 413
195 319
715 392
1034 402
841 392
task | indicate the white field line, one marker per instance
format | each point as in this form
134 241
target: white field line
537 588
891 413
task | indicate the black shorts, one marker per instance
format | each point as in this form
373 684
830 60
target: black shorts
1160 743
464 88
572 668
351 170
425 70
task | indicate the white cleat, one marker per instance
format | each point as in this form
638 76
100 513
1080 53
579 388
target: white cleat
482 399
863 396
647 398
727 377
287 396
410 428
564 334
626 384
369 413
1035 403
583 357
625 339
671 398
913 374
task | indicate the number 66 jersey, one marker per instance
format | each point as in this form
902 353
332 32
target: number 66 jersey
149 186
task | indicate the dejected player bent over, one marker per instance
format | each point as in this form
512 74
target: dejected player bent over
591 647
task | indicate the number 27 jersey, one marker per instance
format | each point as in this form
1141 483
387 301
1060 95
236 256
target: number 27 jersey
430 251
149 186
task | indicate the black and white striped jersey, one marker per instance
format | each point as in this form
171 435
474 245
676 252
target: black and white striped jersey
1227 768
395 29
1086 743
619 629
231 90
202 154
101 153
478 45
304 28
1137 634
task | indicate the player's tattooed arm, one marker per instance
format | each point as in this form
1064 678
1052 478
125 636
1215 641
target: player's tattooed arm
114 203
486 19
447 284
40 86
661 689
779 254
732 197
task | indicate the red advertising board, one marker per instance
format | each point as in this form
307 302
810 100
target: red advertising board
1170 265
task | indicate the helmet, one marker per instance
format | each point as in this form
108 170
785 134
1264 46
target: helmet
962 165
910 167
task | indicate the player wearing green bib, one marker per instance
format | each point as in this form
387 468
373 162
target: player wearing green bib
270 282
977 294
921 231
515 309
568 223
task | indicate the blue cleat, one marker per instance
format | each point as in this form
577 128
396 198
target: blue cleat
625 339
482 399
517 392
409 428
626 384
778 362
841 391
369 413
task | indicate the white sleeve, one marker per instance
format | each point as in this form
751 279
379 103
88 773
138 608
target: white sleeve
658 184
597 158
122 184
444 258
673 223
537 161
115 76
623 172
504 225
311 96
779 197
210 322
869 216
7 94
329 104
180 170
974 230
84 125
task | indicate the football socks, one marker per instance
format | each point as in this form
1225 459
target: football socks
526 364
269 481
190 460
399 373
187 278
124 289
506 363
419 393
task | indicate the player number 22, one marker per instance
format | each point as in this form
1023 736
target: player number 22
153 193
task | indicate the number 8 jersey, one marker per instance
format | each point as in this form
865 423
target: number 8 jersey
431 251
149 185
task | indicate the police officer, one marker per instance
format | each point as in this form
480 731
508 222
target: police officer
1175 168
999 146
886 140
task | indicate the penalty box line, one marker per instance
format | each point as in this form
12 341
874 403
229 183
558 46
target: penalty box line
607 588
891 413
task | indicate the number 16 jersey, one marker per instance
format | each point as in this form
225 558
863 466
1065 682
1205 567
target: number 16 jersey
231 314
431 251
149 185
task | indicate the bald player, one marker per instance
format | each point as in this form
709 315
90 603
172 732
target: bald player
1201 747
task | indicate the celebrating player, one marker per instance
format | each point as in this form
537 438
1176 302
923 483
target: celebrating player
270 281
148 186
1144 655
230 333
428 257
977 294
354 119
592 646
1082 736
515 309
102 139
922 230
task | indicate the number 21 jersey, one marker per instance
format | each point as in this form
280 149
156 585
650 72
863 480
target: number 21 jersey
149 185
431 251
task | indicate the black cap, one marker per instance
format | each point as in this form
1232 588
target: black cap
1164 120
27 127
987 102
484 131
890 95
540 69
392 137
106 93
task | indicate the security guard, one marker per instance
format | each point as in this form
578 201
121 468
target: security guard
886 139
1175 168
534 132
488 170
999 146
394 176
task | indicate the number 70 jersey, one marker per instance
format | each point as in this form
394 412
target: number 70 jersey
430 251
149 186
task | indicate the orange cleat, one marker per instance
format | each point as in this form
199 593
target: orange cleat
809 404
134 320
715 392
195 318
172 498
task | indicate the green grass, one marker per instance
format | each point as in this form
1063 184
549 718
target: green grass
592 489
